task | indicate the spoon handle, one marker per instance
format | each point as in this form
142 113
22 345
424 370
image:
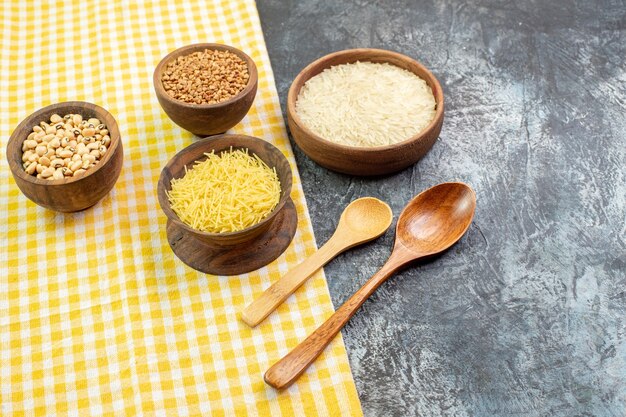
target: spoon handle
284 372
272 297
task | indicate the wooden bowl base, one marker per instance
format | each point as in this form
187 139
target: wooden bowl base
238 259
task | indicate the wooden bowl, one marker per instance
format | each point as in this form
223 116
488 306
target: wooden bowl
364 161
175 168
68 194
206 119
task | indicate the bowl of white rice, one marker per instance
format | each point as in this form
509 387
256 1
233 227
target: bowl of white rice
365 111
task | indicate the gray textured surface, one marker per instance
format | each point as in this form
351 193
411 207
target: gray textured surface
526 315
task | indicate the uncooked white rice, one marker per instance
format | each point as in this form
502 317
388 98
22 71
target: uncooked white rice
365 104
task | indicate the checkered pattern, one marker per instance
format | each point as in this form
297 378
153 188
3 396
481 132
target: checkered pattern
97 316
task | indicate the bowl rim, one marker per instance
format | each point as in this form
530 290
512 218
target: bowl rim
17 168
158 71
171 215
322 62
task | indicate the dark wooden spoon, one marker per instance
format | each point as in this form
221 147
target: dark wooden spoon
429 224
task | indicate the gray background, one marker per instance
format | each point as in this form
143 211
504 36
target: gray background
525 316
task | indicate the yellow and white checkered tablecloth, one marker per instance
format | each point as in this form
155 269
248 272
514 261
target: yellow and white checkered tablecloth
97 316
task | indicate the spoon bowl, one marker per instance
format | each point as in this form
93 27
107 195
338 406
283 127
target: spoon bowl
366 217
429 224
435 219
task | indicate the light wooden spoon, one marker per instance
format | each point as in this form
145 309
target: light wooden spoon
432 222
362 220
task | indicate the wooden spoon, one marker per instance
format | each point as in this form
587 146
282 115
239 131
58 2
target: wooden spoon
432 222
362 220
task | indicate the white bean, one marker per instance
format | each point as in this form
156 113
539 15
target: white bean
48 172
76 165
55 143
66 154
30 170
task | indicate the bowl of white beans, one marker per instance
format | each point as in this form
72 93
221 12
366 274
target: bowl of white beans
67 156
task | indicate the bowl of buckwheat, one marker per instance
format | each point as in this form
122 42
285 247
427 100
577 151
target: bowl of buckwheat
67 156
206 88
